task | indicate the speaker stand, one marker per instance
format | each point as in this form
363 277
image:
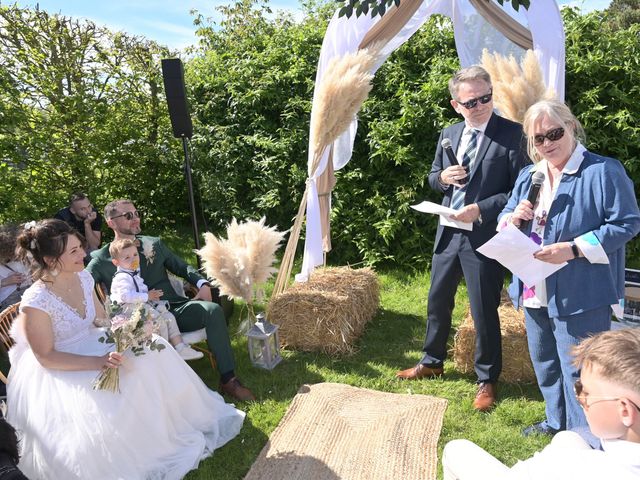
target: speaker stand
192 203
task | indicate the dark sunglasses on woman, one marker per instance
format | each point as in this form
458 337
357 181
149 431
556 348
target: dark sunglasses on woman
552 135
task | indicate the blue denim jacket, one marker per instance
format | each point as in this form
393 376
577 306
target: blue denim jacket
598 198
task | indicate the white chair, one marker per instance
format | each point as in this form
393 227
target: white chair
197 336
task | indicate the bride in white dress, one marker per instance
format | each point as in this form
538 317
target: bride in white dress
164 421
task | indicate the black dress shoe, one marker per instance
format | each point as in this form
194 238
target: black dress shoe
540 428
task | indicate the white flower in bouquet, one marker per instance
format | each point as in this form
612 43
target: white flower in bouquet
132 327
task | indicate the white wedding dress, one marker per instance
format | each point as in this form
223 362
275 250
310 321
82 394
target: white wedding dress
164 421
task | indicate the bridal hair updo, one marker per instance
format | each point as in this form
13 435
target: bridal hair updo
46 239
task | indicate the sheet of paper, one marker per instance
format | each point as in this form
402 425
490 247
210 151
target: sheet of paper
515 250
443 212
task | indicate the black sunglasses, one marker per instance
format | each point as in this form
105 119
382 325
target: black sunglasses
582 400
128 215
469 104
552 135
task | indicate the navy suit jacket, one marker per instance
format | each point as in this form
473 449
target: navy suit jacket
498 161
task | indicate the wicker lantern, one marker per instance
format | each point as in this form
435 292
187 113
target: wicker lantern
264 345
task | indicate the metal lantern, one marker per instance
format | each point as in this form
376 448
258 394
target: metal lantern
264 345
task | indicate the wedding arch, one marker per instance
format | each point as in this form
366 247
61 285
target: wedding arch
476 24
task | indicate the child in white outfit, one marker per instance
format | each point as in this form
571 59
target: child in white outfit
129 287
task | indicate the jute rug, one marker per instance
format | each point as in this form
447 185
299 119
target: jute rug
335 431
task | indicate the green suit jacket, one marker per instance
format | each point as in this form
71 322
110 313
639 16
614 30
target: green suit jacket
153 270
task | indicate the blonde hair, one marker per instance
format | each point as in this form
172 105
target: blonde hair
615 354
559 113
469 74
118 246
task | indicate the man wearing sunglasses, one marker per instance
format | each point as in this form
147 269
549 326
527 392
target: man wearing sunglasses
156 260
609 393
489 153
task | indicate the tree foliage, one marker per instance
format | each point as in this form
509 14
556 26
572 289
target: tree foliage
623 13
83 108
379 7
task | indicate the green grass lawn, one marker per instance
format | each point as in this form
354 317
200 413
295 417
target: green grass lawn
392 341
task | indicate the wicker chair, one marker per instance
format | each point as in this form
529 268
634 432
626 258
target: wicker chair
7 316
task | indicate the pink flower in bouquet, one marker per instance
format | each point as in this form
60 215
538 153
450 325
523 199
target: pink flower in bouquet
131 329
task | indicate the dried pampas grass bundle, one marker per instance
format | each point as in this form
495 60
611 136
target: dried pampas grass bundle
339 96
343 88
242 261
515 87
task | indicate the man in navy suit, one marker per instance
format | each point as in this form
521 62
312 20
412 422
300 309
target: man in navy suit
490 152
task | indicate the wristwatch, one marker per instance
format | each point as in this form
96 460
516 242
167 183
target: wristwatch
574 249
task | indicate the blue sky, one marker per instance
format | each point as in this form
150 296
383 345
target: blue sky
168 21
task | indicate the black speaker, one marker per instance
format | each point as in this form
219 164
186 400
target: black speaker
173 75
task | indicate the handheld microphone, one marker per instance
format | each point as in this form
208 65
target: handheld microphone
446 145
534 190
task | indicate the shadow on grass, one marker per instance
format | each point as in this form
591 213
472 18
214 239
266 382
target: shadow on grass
233 460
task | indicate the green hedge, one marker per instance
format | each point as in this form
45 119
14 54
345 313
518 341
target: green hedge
250 84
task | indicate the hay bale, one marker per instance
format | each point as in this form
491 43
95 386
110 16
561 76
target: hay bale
516 362
329 312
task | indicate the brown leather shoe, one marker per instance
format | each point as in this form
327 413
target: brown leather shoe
420 371
486 397
235 389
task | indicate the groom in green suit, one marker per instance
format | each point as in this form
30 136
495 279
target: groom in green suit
155 261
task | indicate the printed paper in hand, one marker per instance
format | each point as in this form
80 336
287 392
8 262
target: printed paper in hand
444 212
515 250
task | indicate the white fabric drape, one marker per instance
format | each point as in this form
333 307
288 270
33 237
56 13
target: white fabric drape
472 34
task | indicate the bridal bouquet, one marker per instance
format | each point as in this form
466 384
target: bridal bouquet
132 327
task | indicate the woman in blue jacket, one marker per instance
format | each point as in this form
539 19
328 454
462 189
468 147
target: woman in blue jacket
584 215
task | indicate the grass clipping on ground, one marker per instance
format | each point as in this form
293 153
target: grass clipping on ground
329 312
516 362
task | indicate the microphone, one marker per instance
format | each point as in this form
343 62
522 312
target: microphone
534 190
446 144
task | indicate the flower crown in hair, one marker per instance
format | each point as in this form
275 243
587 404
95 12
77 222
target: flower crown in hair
30 226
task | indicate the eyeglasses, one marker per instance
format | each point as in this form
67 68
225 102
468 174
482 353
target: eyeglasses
552 135
128 215
469 104
582 399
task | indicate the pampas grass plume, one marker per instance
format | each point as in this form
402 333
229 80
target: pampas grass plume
343 88
243 260
515 87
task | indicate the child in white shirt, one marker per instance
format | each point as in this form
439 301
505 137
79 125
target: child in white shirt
129 287
609 392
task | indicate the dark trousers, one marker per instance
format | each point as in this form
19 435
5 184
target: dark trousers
453 259
194 315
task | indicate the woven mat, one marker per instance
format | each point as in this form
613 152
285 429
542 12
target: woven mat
335 431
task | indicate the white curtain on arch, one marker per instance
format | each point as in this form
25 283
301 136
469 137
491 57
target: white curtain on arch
472 34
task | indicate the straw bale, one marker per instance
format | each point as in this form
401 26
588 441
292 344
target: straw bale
328 313
516 363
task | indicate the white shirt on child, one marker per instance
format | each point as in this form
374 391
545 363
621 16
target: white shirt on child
619 460
123 287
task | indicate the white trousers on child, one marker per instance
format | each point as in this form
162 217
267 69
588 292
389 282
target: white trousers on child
464 460
167 325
